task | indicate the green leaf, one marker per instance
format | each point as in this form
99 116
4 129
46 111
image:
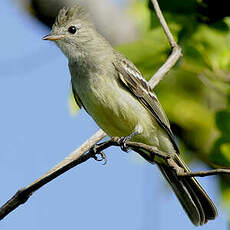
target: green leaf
223 122
225 149
221 150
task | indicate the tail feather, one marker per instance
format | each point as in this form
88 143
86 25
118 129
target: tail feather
191 195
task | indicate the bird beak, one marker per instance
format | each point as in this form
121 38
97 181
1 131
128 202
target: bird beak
53 37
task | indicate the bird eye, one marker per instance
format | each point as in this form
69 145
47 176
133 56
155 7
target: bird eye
72 29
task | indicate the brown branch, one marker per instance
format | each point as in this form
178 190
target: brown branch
173 57
76 157
168 158
80 155
211 172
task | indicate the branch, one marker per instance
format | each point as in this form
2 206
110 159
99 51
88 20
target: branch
173 57
205 173
76 157
82 154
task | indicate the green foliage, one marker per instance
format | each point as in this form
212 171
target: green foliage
205 52
194 93
202 11
221 150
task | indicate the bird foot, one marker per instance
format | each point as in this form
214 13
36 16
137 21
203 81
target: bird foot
122 141
98 156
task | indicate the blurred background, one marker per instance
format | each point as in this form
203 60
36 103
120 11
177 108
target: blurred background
40 124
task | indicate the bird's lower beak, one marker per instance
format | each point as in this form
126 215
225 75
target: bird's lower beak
53 37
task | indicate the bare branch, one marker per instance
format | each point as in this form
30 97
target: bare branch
79 156
164 24
176 50
205 173
76 157
82 154
164 69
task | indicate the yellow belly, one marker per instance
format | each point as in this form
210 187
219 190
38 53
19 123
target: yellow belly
118 113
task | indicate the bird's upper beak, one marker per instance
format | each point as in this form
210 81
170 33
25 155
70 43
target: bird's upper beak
53 37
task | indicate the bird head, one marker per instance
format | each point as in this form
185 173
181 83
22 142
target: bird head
72 30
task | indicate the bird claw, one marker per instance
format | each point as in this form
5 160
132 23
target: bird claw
122 142
101 157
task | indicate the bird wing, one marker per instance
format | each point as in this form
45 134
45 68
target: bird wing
77 98
138 86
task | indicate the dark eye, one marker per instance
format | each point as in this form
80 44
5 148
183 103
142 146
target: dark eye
72 29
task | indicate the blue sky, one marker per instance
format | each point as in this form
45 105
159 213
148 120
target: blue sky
37 131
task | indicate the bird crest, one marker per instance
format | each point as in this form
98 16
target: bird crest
67 15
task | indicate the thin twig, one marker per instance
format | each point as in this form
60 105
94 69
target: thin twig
205 173
173 57
181 173
164 24
81 154
164 69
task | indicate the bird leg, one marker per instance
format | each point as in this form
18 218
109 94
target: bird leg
123 140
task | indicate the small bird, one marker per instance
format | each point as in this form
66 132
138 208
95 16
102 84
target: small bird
111 89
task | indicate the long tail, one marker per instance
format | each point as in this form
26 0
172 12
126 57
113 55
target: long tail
195 201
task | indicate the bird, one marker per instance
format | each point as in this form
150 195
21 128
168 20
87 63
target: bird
115 94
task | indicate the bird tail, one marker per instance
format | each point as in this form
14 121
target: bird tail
195 201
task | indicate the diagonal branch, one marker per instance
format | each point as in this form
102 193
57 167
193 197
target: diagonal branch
82 154
76 157
173 57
